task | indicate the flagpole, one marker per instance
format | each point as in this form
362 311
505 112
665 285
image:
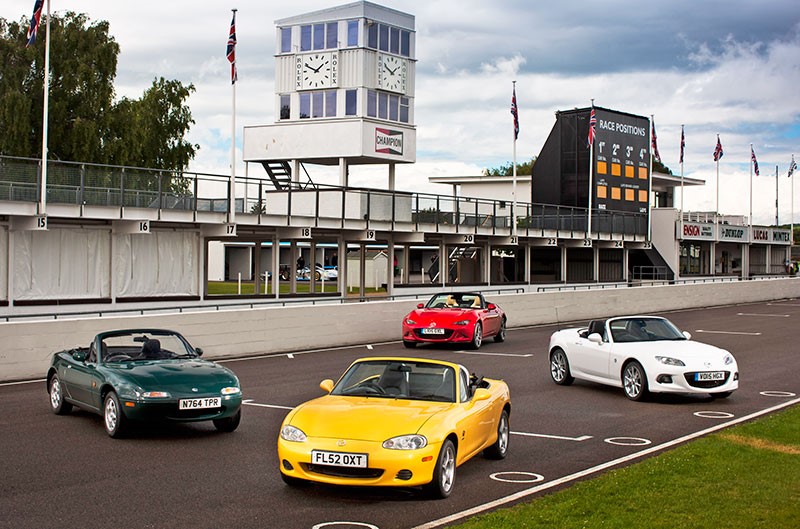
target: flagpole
650 181
45 113
791 178
777 215
232 186
716 207
682 181
514 172
751 184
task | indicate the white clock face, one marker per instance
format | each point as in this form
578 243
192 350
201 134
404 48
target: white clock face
316 70
392 73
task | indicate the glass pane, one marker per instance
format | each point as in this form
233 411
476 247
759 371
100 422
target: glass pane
383 43
372 103
372 36
317 108
352 32
305 105
405 43
319 36
305 38
330 103
393 107
383 105
404 109
394 45
285 106
350 100
286 40
332 39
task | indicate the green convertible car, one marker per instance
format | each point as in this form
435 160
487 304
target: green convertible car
144 374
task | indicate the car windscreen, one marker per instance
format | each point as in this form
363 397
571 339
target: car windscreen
400 380
455 300
142 346
644 330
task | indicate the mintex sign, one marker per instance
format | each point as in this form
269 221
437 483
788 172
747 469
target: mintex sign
694 230
389 141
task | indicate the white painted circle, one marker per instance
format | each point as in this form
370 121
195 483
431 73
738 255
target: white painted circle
713 414
628 441
529 477
778 394
344 524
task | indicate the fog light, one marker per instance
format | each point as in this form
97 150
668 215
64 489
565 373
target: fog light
287 465
736 376
664 379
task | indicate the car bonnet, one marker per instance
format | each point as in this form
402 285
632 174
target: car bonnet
177 375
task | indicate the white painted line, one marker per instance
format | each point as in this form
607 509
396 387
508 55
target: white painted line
628 441
730 332
784 304
290 355
22 382
526 434
778 394
530 477
344 524
369 346
766 315
593 470
250 402
713 414
309 351
494 354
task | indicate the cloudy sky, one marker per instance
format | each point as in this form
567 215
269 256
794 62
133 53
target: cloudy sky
719 67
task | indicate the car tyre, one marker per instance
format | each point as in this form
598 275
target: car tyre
477 337
57 402
444 473
634 381
409 345
559 368
114 419
499 449
501 332
228 424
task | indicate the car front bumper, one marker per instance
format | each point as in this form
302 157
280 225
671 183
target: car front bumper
685 381
167 409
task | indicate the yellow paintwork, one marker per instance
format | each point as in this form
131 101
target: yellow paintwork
357 424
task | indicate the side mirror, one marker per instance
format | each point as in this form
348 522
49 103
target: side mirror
420 305
481 394
688 335
595 337
326 385
199 351
79 355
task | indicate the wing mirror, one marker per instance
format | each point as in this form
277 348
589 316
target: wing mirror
688 335
595 337
199 351
491 306
79 355
420 305
481 394
326 385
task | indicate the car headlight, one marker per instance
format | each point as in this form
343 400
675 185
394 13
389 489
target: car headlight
156 395
230 390
409 321
728 360
462 322
290 433
669 361
406 442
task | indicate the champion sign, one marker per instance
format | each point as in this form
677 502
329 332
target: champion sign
389 141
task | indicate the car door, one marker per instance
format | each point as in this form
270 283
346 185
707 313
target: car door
589 358
491 318
477 422
82 379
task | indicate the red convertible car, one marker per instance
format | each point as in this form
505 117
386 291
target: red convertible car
454 317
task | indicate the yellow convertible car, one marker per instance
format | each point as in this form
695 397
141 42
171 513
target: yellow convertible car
402 422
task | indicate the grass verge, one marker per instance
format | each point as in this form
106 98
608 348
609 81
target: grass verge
747 476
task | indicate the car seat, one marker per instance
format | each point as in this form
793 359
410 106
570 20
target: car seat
151 349
394 380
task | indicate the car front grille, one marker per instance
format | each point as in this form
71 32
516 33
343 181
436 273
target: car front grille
446 336
705 384
343 472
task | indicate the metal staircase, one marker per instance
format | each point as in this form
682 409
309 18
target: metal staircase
280 172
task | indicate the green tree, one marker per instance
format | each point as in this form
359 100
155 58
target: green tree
85 123
523 168
659 167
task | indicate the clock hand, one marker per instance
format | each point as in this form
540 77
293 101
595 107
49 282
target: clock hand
316 70
391 72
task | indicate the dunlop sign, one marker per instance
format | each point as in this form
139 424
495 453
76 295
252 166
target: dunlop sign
733 233
389 141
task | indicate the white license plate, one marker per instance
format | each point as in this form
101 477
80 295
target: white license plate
199 404
338 459
433 330
712 375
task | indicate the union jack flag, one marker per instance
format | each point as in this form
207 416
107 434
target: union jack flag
718 150
592 124
655 145
515 113
792 167
37 16
753 159
683 144
231 51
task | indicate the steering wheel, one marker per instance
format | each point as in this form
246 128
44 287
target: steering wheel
374 387
116 357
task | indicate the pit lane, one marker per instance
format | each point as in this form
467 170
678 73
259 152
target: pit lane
65 471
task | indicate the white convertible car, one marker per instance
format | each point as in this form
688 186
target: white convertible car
641 354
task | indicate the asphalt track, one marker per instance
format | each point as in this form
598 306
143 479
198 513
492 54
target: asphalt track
65 472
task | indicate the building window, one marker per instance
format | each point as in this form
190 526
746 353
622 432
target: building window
388 38
305 38
286 40
351 103
318 104
332 36
319 36
352 32
388 106
286 106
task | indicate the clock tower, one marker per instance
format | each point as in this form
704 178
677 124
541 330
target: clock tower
344 90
